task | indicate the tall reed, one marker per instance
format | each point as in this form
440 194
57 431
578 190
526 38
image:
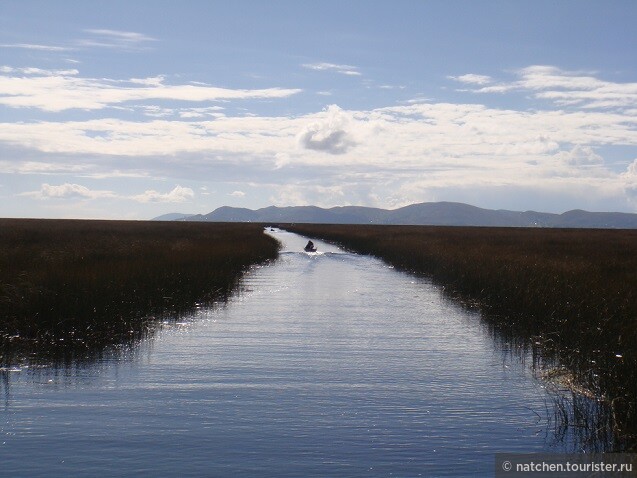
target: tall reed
571 293
94 282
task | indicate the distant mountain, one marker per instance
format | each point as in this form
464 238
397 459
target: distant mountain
173 216
430 213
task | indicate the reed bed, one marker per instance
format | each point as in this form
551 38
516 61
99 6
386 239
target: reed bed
569 293
90 283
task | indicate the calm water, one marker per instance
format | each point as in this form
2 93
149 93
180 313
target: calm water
330 364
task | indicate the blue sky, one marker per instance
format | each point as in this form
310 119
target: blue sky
132 109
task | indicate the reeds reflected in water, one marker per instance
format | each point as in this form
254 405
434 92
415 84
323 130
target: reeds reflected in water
74 286
569 294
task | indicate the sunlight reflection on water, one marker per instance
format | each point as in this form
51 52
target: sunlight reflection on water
328 364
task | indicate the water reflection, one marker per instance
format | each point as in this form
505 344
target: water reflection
574 415
325 364
576 419
59 367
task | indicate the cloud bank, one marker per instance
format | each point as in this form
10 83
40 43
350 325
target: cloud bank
386 156
77 191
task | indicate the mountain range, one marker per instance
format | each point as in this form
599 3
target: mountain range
429 213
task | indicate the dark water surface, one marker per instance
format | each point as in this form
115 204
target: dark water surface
328 364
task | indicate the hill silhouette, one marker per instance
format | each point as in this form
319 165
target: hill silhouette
429 213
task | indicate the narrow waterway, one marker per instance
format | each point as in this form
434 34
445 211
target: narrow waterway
326 364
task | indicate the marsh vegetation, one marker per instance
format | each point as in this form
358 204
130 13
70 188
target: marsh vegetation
569 295
83 284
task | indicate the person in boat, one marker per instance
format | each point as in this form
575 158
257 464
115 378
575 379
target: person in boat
310 247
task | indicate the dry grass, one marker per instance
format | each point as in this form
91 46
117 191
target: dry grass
94 282
570 293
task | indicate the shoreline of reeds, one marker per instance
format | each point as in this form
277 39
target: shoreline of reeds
83 284
571 295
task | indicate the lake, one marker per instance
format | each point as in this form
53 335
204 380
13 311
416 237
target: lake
325 364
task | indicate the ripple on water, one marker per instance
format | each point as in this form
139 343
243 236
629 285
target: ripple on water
324 364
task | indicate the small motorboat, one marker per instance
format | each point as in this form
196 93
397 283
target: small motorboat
309 247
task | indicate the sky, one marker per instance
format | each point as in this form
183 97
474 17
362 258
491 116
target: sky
132 109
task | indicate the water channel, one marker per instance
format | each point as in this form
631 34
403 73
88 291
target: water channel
325 364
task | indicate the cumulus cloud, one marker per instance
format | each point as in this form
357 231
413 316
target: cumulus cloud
64 90
178 194
329 134
67 191
631 171
237 194
629 178
348 70
580 156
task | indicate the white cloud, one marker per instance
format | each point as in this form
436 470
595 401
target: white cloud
391 87
631 172
329 134
100 38
580 156
41 167
416 101
151 81
155 111
64 90
37 71
416 134
210 112
35 46
348 70
566 88
104 38
472 79
629 178
392 155
178 194
237 194
67 191
77 191
132 37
